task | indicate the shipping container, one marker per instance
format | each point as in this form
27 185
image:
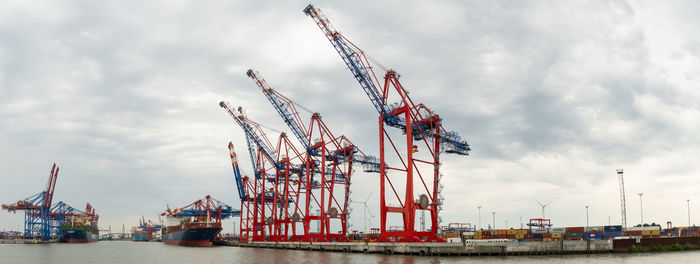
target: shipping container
536 236
609 235
540 230
557 230
614 228
574 235
575 229
593 228
593 236
633 232
557 235
654 232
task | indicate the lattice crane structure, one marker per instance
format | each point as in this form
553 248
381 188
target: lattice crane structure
149 227
328 158
275 198
37 209
416 149
42 220
207 207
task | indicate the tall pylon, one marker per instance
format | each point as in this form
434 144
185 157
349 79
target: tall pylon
622 201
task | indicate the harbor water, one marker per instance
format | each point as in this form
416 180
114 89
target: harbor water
108 252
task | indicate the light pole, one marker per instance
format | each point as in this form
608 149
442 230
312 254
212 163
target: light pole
494 220
506 220
479 207
688 200
521 222
641 208
586 215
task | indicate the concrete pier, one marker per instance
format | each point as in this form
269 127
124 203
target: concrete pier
25 241
468 248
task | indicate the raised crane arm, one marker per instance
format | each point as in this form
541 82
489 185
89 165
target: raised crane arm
361 69
353 57
236 172
285 108
254 133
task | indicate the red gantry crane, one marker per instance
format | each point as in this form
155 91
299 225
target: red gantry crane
277 186
416 150
328 158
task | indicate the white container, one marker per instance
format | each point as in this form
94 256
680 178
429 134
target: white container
453 239
592 228
561 230
540 230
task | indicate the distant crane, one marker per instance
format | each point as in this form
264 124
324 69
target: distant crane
62 213
37 209
417 148
206 207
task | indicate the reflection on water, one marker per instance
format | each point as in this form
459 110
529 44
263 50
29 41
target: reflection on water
151 252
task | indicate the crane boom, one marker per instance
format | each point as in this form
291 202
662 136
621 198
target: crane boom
285 108
353 57
236 172
362 71
254 133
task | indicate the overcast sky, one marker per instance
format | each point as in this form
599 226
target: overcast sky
553 97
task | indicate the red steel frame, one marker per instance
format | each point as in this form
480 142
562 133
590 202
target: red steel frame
285 224
419 155
275 198
418 150
335 175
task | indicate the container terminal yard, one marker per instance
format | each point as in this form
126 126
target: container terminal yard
299 195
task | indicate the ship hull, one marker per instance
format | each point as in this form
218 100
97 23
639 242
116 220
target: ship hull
140 237
78 236
194 237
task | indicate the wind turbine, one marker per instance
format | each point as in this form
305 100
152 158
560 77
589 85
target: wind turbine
543 206
367 211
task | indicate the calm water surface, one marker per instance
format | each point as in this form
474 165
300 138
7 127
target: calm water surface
109 252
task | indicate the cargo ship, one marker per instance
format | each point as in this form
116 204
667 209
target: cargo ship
190 231
139 235
145 231
79 230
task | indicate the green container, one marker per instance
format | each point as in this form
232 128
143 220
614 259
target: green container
574 234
